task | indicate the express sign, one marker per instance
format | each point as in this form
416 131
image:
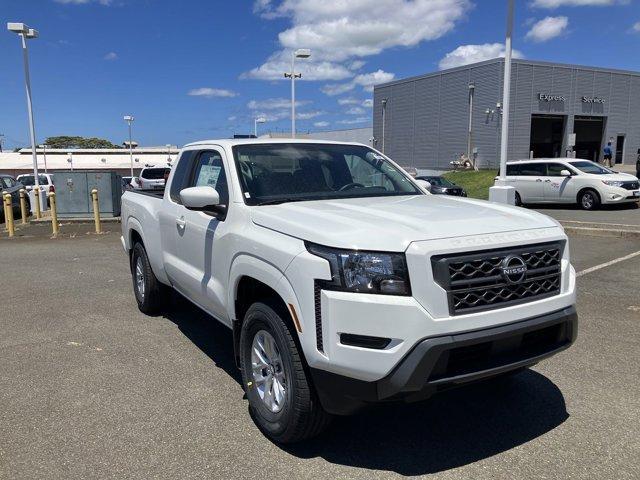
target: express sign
545 97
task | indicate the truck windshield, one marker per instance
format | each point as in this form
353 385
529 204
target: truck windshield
289 172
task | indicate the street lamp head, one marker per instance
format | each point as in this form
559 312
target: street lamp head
32 33
17 27
128 118
302 53
261 120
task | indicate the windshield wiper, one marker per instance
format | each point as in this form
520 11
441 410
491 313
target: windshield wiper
277 201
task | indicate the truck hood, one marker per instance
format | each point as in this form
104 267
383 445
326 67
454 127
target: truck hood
392 223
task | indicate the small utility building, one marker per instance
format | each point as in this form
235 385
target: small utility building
431 120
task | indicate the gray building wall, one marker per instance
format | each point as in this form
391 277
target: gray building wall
426 118
360 135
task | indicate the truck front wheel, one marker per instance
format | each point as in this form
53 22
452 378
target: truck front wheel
149 292
282 401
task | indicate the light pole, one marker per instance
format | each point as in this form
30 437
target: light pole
299 53
44 154
70 159
28 33
1 141
129 120
501 192
256 121
384 119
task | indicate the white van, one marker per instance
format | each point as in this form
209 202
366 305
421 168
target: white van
570 180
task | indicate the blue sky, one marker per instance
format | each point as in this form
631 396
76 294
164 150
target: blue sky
195 69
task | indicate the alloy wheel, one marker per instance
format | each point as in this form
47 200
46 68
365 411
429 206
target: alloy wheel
268 371
140 278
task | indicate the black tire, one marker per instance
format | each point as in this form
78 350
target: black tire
300 416
518 200
589 200
151 294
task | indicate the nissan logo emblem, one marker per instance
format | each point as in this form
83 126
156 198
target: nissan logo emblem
514 269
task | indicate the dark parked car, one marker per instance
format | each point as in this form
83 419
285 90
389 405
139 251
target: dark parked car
442 186
8 184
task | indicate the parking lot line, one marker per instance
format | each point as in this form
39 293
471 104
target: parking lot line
607 264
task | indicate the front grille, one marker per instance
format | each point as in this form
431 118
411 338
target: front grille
476 281
633 185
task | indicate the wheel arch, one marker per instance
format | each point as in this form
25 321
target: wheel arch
254 280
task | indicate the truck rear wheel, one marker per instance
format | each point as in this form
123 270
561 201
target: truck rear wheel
149 292
282 401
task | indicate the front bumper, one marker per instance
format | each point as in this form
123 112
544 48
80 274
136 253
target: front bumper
441 362
612 195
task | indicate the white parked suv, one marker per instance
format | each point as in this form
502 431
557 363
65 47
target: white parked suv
343 281
152 178
570 180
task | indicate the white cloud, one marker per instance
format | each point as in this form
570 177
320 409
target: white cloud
308 115
365 80
341 32
321 124
274 104
575 3
312 69
209 92
547 28
354 121
82 2
355 111
348 101
232 118
466 54
111 56
368 103
636 27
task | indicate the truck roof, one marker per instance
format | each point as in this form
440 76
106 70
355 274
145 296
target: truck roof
226 142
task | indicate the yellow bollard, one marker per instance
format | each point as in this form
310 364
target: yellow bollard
54 213
36 196
9 215
23 206
96 210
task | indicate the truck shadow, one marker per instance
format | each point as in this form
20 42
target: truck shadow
452 429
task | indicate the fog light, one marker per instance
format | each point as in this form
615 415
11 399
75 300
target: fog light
393 286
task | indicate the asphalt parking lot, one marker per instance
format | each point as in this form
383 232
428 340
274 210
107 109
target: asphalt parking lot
91 388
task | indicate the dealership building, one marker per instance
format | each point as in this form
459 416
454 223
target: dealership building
556 110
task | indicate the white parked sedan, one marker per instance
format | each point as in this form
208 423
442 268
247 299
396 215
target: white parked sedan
570 180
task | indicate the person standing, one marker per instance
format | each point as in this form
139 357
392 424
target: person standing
608 154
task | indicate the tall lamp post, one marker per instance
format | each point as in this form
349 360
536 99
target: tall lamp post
1 141
501 192
256 121
27 33
299 53
70 160
44 154
129 120
168 145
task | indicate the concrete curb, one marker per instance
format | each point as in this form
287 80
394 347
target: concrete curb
63 220
602 232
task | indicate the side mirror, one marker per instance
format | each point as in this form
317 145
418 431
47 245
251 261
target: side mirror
565 173
424 184
202 199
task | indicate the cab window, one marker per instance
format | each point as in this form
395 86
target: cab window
513 170
209 171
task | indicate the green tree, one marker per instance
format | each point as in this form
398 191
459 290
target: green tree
65 141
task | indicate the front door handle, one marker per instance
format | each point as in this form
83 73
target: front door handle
538 179
181 223
547 181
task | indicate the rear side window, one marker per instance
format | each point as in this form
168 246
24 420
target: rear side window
154 173
533 169
180 176
513 170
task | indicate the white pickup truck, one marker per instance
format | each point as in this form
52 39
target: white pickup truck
344 281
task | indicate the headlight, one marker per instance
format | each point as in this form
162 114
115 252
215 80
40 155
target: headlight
612 183
364 272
